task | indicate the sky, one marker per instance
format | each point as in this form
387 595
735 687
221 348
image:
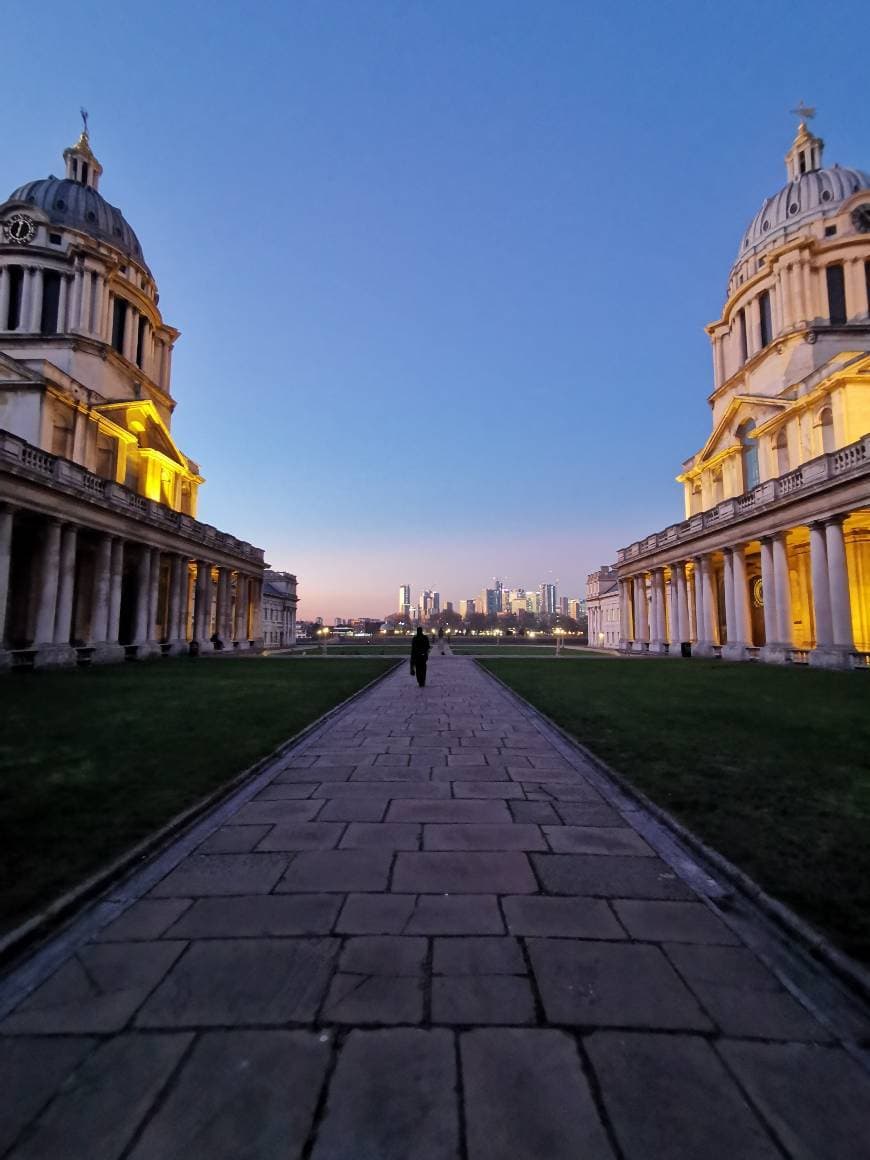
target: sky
441 269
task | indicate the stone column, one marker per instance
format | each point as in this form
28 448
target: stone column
624 618
222 606
153 598
36 274
143 585
25 309
4 298
202 607
240 635
783 590
742 613
113 624
66 584
101 590
772 650
177 583
824 654
85 306
684 628
257 613
657 632
728 572
62 303
855 283
838 579
641 614
48 575
6 522
131 326
698 592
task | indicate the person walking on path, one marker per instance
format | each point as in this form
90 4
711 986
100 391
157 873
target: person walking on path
441 639
420 656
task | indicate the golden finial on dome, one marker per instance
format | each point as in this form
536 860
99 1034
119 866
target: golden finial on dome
81 152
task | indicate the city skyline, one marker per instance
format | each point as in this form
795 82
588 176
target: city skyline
380 207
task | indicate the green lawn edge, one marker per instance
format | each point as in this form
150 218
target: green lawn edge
767 765
95 761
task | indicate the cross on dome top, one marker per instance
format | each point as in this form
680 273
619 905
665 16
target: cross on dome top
805 155
81 164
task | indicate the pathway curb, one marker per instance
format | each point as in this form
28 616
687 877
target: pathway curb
68 905
850 972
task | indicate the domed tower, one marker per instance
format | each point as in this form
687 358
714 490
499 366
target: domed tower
100 552
772 558
796 311
77 294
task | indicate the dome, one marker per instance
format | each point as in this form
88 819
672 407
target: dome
80 207
812 195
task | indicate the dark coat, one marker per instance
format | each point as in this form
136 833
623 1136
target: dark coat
420 646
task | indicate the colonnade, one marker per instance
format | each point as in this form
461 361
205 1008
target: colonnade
85 306
704 600
74 587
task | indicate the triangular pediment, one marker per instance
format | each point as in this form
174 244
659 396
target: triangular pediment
759 408
141 418
14 373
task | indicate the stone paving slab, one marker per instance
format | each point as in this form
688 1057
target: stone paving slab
430 878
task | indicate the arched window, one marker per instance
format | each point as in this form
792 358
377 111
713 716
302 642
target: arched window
749 455
780 447
826 429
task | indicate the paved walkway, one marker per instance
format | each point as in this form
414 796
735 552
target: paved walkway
426 936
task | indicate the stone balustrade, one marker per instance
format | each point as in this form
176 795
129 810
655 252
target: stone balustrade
22 458
851 460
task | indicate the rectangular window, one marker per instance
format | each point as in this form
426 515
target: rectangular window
830 231
867 283
15 274
50 302
764 318
140 340
744 350
836 295
119 313
55 239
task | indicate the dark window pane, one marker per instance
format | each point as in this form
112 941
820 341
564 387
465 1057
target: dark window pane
118 315
50 302
744 351
16 285
836 295
764 318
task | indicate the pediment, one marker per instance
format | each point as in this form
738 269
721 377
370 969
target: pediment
759 408
14 373
141 418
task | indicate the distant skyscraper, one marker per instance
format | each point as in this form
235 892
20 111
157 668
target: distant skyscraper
426 603
563 605
466 607
498 588
548 599
405 600
436 602
489 601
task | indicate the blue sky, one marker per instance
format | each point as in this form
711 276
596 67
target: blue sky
441 269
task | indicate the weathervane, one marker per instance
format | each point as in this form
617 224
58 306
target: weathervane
84 114
804 112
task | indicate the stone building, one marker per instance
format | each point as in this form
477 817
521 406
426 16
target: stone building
279 609
603 607
772 559
101 554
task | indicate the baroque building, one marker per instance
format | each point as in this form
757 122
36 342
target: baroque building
279 609
603 607
101 554
772 560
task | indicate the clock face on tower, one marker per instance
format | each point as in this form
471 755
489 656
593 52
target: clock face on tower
861 217
19 228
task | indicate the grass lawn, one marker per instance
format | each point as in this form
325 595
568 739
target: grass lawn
768 765
93 761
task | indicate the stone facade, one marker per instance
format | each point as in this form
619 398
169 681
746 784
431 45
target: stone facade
603 607
279 609
101 555
773 558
